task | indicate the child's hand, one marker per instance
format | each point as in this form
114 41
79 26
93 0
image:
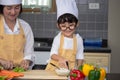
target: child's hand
62 63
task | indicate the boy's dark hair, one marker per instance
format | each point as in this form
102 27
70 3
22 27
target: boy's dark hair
2 6
67 17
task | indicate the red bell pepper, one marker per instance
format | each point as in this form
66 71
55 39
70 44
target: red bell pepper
76 75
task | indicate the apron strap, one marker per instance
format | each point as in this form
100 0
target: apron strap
1 24
74 43
61 41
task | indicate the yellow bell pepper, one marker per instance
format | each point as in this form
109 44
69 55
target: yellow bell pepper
102 74
86 68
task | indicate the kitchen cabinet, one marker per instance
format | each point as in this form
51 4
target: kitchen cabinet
41 57
101 59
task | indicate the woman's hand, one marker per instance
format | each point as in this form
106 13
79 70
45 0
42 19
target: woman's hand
6 64
25 64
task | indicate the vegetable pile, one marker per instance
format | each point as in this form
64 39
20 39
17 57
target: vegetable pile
2 77
89 71
9 74
93 72
18 69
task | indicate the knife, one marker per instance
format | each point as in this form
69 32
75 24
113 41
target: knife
67 64
54 65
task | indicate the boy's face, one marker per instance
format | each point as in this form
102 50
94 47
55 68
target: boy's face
67 28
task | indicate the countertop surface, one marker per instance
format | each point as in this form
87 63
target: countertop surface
113 76
40 75
86 49
47 75
92 45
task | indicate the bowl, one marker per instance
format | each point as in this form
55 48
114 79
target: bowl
62 72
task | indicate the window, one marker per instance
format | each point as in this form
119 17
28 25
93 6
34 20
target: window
39 5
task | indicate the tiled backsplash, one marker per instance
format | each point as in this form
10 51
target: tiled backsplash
93 22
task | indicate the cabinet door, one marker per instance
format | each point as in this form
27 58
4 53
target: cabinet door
41 57
100 59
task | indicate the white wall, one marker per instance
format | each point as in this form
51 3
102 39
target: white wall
114 34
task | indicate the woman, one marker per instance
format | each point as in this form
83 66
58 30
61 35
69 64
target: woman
16 37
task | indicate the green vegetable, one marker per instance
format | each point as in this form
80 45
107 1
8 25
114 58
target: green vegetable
94 75
18 69
80 68
1 68
3 77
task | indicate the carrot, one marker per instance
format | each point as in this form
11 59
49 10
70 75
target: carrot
10 74
2 74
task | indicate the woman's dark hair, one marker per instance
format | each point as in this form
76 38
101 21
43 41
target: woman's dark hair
67 17
1 9
2 6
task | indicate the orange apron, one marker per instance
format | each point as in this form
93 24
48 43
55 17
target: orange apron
11 45
69 54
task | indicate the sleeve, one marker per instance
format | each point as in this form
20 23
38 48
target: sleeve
80 48
55 45
28 49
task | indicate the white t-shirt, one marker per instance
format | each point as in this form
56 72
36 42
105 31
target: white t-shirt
68 44
28 49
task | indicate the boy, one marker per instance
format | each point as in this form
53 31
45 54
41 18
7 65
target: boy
67 46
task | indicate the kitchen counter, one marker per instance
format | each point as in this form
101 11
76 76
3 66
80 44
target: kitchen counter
42 52
113 76
44 44
47 75
97 49
87 49
40 75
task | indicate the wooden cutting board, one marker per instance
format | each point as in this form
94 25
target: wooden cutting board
40 75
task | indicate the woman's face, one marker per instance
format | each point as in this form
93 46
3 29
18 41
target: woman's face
11 12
